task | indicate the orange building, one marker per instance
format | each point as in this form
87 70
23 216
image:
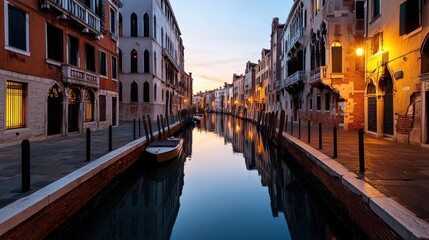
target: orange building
58 67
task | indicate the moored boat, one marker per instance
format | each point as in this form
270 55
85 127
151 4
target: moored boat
165 150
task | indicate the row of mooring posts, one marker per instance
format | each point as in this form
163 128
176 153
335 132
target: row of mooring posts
147 125
267 124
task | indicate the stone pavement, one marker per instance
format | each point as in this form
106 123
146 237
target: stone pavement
398 170
54 158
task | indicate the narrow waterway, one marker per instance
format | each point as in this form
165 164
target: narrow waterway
229 184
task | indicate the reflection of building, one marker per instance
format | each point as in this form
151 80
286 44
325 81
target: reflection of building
397 74
262 72
58 67
152 74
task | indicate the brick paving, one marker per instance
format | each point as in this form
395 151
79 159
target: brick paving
54 158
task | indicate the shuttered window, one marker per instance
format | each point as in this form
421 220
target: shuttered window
409 16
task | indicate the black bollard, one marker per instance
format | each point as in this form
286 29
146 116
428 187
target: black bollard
299 128
361 152
168 126
140 130
159 127
320 135
25 148
88 144
309 131
149 122
110 137
335 143
146 132
134 128
163 129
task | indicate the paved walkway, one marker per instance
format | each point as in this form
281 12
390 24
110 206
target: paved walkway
54 158
400 171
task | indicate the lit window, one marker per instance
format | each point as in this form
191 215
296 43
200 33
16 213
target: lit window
15 104
17 22
89 106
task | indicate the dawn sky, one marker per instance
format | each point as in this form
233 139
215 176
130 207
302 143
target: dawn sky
221 36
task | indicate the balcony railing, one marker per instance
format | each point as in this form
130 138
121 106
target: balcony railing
75 75
295 78
318 74
77 10
294 38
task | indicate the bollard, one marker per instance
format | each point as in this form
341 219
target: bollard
299 128
163 129
110 137
361 152
159 127
146 133
140 131
134 128
282 123
308 131
320 135
25 148
150 127
88 144
335 142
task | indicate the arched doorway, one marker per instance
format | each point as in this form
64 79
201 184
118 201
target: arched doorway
73 109
372 107
55 110
388 103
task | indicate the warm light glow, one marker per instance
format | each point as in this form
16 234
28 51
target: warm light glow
185 100
359 51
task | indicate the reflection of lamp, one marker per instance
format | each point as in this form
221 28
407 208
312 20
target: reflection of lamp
359 51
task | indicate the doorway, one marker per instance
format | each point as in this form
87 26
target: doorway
73 110
55 110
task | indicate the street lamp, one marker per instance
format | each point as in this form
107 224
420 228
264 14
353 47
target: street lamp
359 51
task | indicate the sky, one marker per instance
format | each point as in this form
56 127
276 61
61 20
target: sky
220 36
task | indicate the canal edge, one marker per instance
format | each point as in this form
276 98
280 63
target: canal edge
401 220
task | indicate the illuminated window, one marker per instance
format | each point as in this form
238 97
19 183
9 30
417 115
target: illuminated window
89 106
15 104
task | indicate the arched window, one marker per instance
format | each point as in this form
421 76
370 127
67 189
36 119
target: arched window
146 92
120 60
146 25
154 63
146 61
134 60
162 37
337 57
120 25
154 92
134 92
89 106
154 27
133 25
120 91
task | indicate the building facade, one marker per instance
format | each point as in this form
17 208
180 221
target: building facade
58 67
152 56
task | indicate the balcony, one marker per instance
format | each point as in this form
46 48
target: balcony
78 76
295 38
295 78
77 11
318 74
170 58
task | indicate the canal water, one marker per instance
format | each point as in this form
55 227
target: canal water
229 184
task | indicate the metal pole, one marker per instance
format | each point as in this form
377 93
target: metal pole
88 144
320 135
361 152
335 143
110 137
25 147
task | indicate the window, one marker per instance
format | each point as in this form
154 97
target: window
120 60
54 43
154 63
327 102
114 68
16 94
121 33
120 91
89 106
113 21
376 8
134 58
337 57
410 16
375 43
102 100
134 92
146 92
360 10
162 37
146 61
103 63
72 50
154 92
154 27
146 25
133 25
17 30
318 103
90 57
310 103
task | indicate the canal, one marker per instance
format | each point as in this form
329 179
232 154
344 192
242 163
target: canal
229 184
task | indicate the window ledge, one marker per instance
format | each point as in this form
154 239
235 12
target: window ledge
375 18
16 130
53 62
406 36
17 50
103 76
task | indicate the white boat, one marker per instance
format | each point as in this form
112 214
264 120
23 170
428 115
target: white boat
165 149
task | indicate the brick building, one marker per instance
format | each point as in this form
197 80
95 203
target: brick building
58 67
